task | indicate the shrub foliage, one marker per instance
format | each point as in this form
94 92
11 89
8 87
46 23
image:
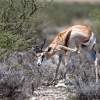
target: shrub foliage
95 17
19 20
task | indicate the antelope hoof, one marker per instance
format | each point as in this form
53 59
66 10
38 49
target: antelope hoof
96 80
78 52
75 50
53 82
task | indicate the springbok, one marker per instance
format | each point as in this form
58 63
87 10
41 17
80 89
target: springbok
70 40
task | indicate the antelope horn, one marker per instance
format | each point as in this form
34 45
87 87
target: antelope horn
43 43
39 47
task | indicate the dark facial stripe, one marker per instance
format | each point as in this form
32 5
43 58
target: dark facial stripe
42 58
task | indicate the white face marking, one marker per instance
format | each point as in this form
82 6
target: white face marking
41 59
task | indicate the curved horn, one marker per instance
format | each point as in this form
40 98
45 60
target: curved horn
43 43
39 47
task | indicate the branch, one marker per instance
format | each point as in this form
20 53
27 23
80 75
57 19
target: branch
48 3
34 8
23 3
3 52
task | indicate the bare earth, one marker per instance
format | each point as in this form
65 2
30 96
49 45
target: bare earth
54 93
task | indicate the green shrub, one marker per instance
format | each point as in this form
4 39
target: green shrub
95 18
64 13
19 21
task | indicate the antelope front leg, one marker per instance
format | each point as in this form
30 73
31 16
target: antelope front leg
93 55
61 47
58 64
67 55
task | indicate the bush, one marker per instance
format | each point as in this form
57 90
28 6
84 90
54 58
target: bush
19 22
66 12
95 18
90 91
11 83
84 74
20 75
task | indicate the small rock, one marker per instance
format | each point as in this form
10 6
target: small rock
60 85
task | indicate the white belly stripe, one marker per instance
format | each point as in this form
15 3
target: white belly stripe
91 42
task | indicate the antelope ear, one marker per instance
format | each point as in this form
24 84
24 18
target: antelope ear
49 49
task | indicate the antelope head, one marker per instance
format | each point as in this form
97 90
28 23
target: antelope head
41 54
42 57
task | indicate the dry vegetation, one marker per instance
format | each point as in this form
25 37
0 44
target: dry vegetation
21 78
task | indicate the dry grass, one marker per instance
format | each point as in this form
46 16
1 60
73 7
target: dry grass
20 77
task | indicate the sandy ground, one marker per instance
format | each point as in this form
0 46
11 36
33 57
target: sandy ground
59 92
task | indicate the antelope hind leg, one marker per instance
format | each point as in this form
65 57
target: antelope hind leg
93 55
